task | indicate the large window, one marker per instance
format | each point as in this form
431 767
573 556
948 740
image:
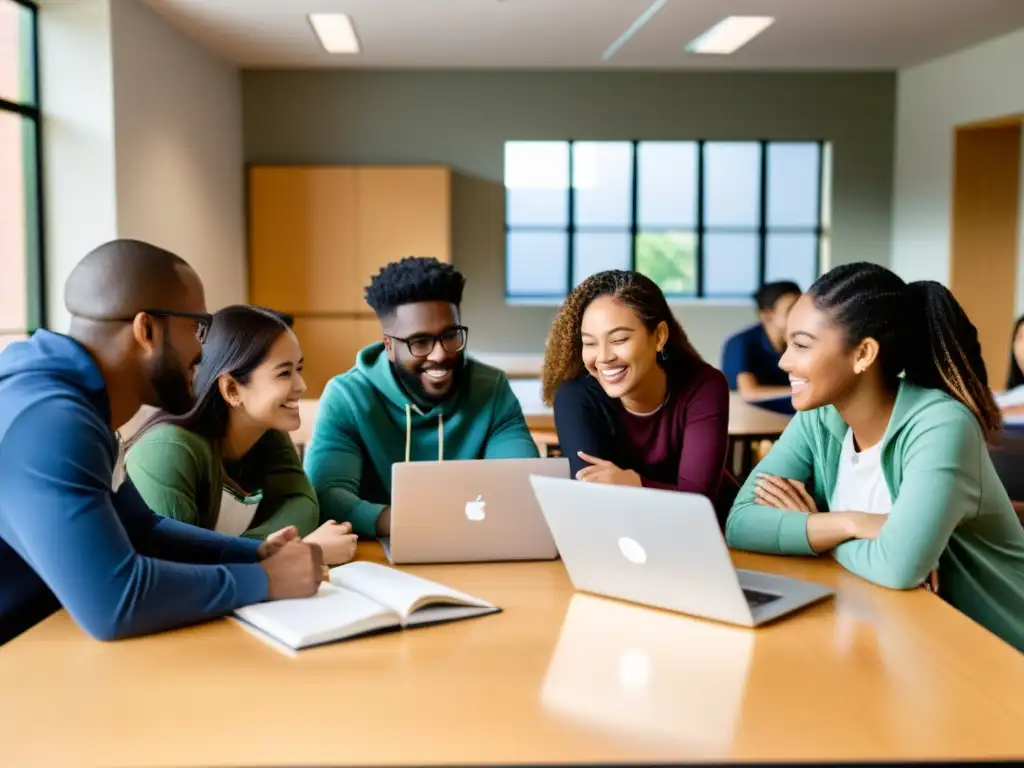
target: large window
20 219
703 219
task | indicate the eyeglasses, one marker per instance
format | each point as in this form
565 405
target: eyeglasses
203 322
453 340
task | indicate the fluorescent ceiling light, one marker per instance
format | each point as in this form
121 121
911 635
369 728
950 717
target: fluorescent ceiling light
335 32
644 17
730 34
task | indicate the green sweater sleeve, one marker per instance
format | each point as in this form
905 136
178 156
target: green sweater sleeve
166 465
941 485
334 463
753 527
288 496
510 437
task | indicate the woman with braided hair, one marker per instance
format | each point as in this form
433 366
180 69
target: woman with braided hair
634 403
890 441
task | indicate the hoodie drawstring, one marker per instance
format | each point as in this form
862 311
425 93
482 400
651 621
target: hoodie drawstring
408 432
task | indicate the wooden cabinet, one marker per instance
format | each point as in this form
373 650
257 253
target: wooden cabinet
317 234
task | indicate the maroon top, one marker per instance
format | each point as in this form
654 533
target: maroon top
681 446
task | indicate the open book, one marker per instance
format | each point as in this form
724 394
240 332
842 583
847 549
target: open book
360 598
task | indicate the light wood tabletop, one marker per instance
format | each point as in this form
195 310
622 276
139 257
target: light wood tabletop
557 678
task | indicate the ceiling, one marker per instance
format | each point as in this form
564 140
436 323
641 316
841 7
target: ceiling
572 34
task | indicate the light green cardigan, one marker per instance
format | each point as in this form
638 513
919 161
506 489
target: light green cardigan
949 508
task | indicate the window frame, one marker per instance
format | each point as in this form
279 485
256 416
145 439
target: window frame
761 230
35 232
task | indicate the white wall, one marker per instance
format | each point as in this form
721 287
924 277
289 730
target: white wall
980 83
178 131
142 139
78 140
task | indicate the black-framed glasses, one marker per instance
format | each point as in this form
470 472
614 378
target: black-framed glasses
421 345
203 321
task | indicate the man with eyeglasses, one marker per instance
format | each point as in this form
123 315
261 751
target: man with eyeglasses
66 536
415 396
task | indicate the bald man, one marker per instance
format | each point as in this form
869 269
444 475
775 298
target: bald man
66 538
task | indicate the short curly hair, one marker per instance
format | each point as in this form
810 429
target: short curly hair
563 357
411 280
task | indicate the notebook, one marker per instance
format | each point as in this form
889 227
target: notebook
361 598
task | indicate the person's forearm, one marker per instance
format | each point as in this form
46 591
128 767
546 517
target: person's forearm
183 543
299 511
827 530
384 523
345 507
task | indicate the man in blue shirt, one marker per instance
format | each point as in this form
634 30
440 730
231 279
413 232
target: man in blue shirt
750 360
66 537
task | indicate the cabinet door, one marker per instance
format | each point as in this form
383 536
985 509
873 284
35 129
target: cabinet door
329 346
402 212
302 239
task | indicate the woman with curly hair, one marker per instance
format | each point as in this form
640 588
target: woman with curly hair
634 402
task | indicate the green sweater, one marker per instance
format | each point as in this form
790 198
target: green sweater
367 422
949 508
181 475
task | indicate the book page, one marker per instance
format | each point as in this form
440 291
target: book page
401 592
331 614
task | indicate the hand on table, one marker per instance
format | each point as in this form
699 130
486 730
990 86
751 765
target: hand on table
601 471
295 570
336 540
275 541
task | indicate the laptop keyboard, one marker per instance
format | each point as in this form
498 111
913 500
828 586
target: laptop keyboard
755 598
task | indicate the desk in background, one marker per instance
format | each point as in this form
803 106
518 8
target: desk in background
874 674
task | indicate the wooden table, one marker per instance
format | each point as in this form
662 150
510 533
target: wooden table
873 674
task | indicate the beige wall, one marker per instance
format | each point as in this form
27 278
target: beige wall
178 140
142 135
978 84
462 119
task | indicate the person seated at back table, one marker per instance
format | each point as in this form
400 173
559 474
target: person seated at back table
416 396
750 359
228 464
138 319
634 403
886 465
1012 398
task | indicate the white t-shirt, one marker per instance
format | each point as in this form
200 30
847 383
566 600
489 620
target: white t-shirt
860 484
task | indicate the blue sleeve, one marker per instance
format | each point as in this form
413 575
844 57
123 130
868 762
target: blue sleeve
156 536
582 427
509 437
60 510
735 359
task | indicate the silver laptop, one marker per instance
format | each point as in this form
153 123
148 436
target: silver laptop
663 549
469 511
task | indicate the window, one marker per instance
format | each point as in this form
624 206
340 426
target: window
703 219
21 289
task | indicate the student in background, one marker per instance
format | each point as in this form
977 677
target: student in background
750 359
228 464
138 320
901 461
1013 396
416 396
634 403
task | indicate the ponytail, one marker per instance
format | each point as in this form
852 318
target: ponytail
921 329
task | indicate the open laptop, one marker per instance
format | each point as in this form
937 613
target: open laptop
663 549
469 511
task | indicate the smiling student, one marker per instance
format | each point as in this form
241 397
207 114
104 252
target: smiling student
634 403
894 411
416 396
228 463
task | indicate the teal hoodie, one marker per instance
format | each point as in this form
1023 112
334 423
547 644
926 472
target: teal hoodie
367 422
949 509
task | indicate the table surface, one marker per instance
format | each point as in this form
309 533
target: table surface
557 676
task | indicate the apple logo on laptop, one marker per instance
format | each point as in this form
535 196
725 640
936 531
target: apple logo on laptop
475 509
632 551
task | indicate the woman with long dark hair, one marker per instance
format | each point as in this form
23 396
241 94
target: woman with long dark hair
634 403
890 442
228 464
